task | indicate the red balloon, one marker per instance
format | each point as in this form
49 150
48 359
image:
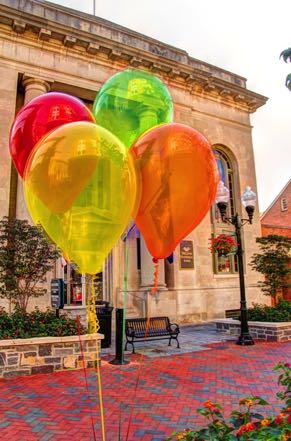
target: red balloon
38 117
179 178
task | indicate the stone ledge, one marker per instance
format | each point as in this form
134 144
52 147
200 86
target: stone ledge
266 331
31 356
257 324
46 340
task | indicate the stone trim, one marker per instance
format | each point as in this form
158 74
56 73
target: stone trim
31 356
259 330
105 40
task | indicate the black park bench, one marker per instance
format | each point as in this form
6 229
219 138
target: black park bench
159 328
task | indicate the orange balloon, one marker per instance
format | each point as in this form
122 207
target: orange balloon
179 178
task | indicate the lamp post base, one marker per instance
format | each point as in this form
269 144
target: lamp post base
245 340
117 361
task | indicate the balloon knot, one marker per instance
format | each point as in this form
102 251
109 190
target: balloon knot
155 260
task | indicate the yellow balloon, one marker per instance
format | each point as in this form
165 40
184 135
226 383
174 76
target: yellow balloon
81 185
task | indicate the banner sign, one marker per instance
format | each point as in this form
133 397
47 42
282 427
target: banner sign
186 254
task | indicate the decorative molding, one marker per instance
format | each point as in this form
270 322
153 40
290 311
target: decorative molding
29 81
44 34
18 26
69 41
107 41
93 48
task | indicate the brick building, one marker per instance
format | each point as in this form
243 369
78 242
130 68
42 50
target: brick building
277 220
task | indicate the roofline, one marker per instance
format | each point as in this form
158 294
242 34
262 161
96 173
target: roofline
275 200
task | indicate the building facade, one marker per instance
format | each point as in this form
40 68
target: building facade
277 220
277 217
45 47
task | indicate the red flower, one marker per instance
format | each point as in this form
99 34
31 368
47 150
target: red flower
250 427
246 428
279 418
222 244
209 405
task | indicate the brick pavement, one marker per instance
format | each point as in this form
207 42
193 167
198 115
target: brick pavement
56 406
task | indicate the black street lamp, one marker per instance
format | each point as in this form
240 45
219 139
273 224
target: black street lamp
249 202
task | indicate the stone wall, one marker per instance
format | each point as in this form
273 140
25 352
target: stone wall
47 354
258 330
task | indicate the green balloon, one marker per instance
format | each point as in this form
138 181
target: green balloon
130 103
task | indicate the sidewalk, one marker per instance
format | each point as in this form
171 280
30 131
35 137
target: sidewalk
171 387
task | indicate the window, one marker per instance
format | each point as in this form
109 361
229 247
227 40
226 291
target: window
284 204
74 289
227 176
224 264
77 286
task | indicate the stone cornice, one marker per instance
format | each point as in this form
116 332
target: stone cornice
102 39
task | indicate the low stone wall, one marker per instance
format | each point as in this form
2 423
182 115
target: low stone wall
47 354
259 330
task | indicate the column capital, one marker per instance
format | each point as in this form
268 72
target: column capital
37 83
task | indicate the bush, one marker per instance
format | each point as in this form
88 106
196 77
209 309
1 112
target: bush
279 313
37 323
245 424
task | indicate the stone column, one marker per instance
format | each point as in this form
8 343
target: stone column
33 87
147 269
148 118
8 91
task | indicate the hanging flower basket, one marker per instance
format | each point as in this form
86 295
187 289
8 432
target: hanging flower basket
222 244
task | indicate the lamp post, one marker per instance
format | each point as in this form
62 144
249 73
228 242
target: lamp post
249 202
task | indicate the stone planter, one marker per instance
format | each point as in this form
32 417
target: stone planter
259 330
47 354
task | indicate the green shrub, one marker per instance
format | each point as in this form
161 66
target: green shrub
279 313
245 424
37 323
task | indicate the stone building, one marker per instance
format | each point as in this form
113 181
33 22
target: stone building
46 47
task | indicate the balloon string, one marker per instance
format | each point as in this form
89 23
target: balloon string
139 373
93 322
94 326
85 370
125 291
125 297
100 395
83 363
156 276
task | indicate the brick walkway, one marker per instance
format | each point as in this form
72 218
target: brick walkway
56 406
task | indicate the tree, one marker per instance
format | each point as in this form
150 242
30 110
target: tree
286 55
25 258
272 262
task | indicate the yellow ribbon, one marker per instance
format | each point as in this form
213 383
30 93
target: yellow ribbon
93 328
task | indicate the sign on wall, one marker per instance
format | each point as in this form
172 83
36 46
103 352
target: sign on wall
186 254
57 293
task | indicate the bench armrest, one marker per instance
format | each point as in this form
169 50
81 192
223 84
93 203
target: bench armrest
130 331
174 328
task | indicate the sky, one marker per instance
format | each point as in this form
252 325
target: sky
243 37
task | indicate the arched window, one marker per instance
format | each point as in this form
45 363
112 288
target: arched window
227 264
